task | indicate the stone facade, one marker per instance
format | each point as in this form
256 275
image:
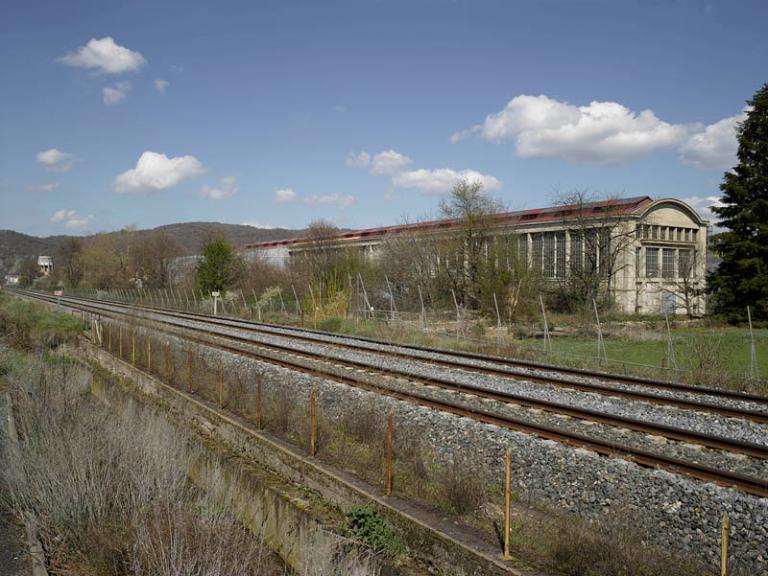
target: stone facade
656 250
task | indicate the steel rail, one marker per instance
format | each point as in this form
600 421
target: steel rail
707 440
301 334
744 483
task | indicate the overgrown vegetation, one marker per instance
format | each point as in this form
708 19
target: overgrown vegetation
30 326
367 525
110 494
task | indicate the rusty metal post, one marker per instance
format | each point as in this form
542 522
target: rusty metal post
724 545
312 421
168 362
507 501
149 354
189 370
259 381
390 431
221 387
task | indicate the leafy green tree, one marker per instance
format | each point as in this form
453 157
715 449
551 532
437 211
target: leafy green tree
741 279
219 268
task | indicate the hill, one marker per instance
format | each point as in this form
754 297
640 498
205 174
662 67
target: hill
15 246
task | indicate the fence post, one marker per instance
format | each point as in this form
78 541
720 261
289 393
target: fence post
423 313
109 336
456 304
133 347
601 352
498 323
753 371
299 311
671 360
168 362
392 309
390 431
547 338
507 502
312 421
725 532
221 386
120 341
259 379
189 370
149 354
282 302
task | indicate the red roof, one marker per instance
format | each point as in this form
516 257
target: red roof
553 213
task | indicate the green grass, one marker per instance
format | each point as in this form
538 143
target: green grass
732 345
28 325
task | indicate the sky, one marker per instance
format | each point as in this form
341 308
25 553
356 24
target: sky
363 113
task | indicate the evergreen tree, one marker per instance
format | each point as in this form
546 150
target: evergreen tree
741 279
219 268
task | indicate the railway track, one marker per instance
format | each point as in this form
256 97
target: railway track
501 367
328 367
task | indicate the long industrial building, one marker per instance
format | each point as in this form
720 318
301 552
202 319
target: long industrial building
659 266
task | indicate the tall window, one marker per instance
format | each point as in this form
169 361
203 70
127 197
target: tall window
522 247
536 251
668 263
549 254
577 248
560 254
651 262
684 263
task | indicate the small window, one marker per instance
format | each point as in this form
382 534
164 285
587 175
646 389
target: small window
655 232
668 263
651 262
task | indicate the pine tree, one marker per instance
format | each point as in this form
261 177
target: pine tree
741 279
219 268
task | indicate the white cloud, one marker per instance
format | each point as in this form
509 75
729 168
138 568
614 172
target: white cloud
388 163
441 180
429 181
104 55
601 132
43 187
358 160
116 93
226 188
285 195
341 201
54 160
155 172
70 218
715 146
703 205
161 85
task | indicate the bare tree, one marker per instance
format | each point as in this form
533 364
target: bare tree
465 248
69 264
600 238
28 271
687 287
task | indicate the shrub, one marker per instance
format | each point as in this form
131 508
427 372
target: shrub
366 524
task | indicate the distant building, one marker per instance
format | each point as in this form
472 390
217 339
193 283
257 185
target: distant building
661 268
45 263
12 279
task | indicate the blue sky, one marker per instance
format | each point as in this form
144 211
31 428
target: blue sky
363 113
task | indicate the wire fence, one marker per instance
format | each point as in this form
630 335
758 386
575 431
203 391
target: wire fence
660 348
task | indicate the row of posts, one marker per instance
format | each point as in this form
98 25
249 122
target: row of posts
97 335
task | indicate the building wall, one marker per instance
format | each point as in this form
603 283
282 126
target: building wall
666 229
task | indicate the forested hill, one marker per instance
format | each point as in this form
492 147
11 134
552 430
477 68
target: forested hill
191 236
